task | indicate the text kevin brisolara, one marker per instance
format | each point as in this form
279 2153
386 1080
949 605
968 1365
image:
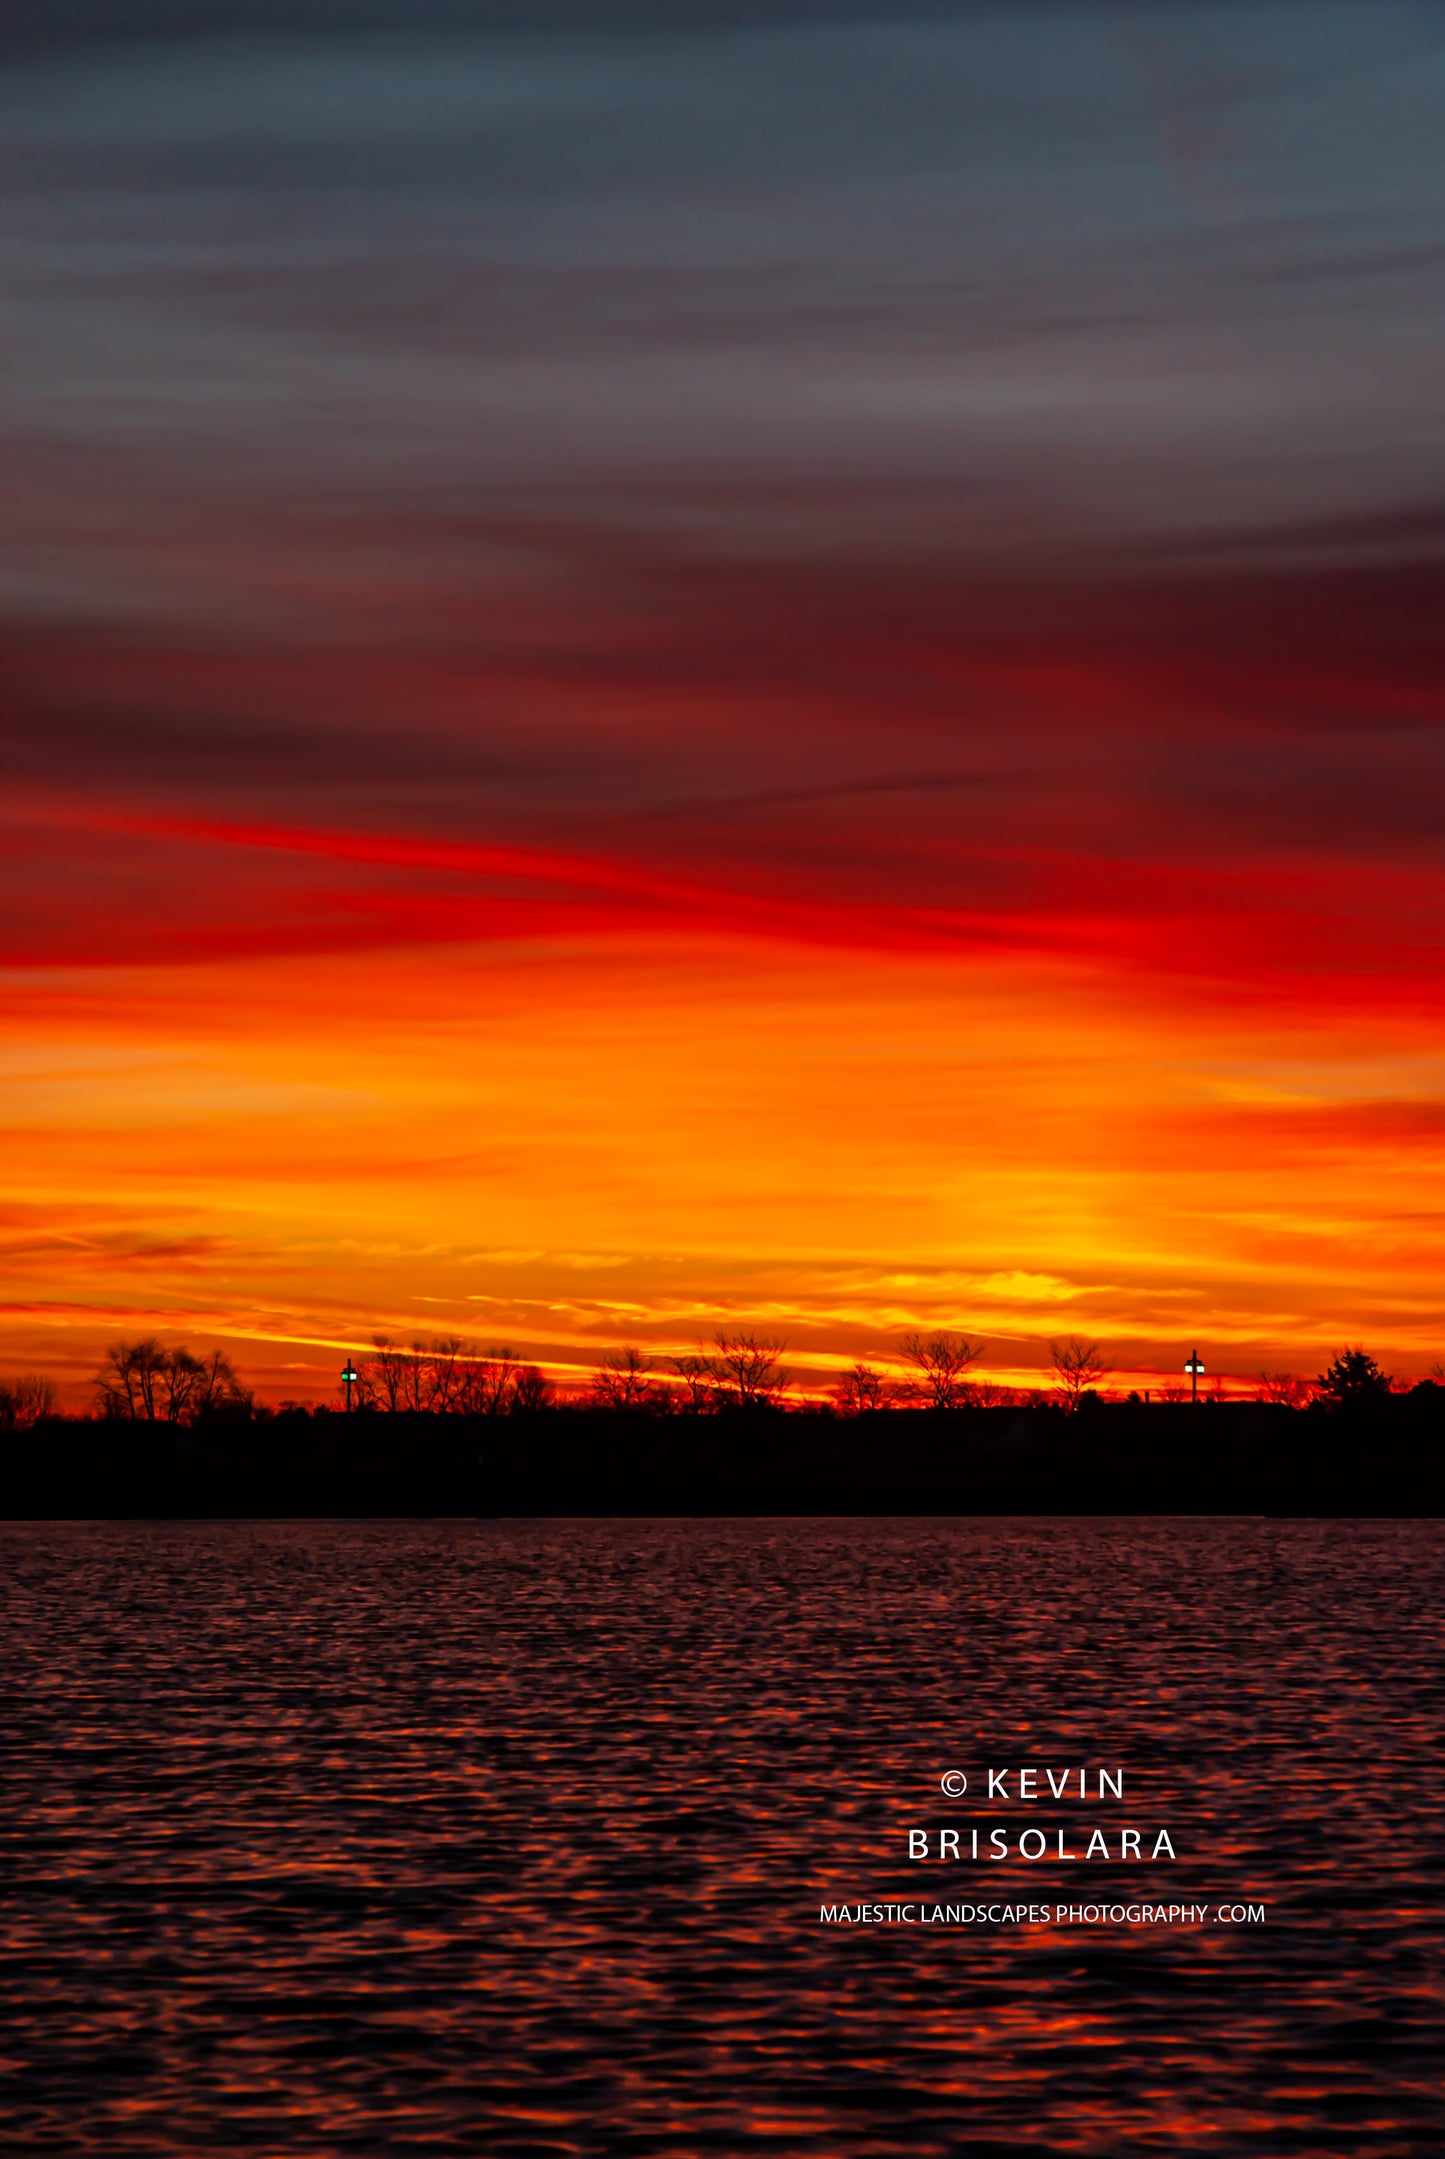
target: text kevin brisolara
1028 1787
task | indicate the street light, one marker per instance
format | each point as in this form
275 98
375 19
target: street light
349 1377
1194 1367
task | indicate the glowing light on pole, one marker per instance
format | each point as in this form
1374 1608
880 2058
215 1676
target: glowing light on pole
1194 1367
349 1377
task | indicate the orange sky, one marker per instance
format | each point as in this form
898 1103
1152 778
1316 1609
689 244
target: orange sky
565 1142
1017 983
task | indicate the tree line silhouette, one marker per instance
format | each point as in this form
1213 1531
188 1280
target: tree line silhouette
150 1382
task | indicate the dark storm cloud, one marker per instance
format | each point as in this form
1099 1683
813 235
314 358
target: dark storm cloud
822 442
913 257
874 720
42 23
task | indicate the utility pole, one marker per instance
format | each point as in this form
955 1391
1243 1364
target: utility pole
349 1378
1194 1368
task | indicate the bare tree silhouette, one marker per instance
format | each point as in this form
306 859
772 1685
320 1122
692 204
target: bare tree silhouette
1283 1388
746 1373
214 1385
1076 1367
381 1383
418 1375
487 1384
941 1362
128 1384
25 1401
623 1381
146 1383
861 1388
447 1377
993 1394
699 1393
531 1390
444 1368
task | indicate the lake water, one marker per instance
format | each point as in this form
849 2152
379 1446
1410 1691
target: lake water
512 1838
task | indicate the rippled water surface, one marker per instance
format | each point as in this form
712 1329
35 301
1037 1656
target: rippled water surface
512 1838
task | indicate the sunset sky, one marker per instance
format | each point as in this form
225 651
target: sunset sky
683 666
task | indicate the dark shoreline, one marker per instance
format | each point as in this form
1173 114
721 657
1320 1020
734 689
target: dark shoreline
1127 1458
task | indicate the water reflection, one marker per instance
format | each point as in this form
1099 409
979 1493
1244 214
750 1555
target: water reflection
511 1838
